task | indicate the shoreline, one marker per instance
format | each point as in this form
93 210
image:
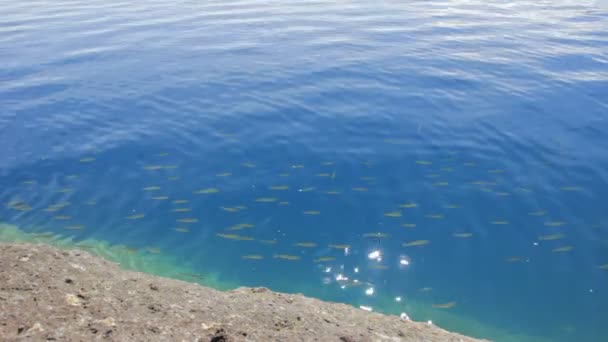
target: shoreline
48 292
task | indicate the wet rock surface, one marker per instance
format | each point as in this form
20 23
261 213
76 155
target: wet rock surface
47 294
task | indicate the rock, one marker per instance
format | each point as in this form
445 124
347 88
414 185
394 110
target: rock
72 299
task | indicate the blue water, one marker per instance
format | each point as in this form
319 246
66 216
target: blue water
484 119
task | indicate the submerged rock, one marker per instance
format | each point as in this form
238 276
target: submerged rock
38 303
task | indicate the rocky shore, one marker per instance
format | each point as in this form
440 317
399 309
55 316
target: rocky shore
49 294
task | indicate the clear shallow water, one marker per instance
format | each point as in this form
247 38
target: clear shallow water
476 126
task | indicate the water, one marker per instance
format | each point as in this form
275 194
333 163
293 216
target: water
485 121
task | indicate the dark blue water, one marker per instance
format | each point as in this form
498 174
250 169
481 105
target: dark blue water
473 131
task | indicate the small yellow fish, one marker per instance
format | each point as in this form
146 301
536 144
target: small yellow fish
603 267
207 191
452 206
252 257
160 198
224 174
181 210
524 189
151 188
163 154
537 213
248 165
28 182
279 187
307 189
562 249
555 223
181 229
286 257
62 217
266 199
339 246
283 203
241 226
503 194
305 244
483 183
135 217
571 188
423 162
235 237
180 201
425 289
408 205
444 305
324 259
360 189
499 222
75 227
393 214
462 235
515 259
416 243
269 242
297 166
240 207
376 235
230 209
324 174
188 220
408 225
435 216
153 167
51 209
153 250
311 212
551 237
87 160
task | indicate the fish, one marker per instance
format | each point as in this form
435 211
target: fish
87 160
416 243
241 226
181 210
360 189
153 250
224 174
188 220
207 191
551 237
462 235
235 237
305 244
376 235
62 217
323 174
425 289
514 259
423 162
71 176
153 167
307 189
268 242
503 194
163 154
332 192
571 188
480 182
328 258
603 267
52 209
393 214
562 249
252 257
311 212
279 187
230 209
286 257
283 203
75 227
266 199
408 205
524 189
135 217
297 166
452 206
408 225
338 246
555 223
151 188
433 175
181 229
28 182
499 222
444 305
248 165
160 198
537 213
169 167
284 174
181 201
240 207
435 216
172 178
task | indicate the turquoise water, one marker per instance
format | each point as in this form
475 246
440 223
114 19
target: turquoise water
446 159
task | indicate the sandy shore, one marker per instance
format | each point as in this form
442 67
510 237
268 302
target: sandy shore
48 294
